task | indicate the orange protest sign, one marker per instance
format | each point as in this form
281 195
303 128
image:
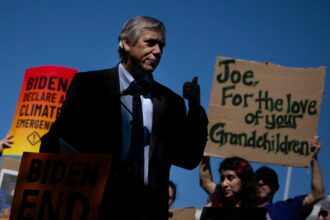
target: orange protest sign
264 112
41 97
60 186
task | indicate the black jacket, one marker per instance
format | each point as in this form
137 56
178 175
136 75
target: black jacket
90 121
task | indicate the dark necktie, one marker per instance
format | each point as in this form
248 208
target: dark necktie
137 141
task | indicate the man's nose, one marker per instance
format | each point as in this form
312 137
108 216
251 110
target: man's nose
157 49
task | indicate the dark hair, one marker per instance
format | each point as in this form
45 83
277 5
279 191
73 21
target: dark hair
173 186
132 29
269 177
248 192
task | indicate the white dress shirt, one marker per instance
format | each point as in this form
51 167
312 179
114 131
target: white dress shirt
125 79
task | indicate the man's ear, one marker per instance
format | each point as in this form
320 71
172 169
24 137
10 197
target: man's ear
124 44
121 44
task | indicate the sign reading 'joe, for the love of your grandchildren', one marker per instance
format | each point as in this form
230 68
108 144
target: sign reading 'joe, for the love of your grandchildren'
264 112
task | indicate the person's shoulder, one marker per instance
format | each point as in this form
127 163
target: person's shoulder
296 199
94 77
97 73
88 80
164 90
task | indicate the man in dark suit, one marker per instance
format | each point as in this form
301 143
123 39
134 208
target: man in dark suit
97 118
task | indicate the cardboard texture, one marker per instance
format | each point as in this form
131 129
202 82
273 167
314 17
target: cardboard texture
183 213
10 163
60 186
264 112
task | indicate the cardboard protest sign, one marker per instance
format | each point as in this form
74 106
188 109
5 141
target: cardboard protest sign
264 112
182 213
60 186
41 97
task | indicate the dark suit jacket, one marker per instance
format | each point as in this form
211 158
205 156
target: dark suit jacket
90 121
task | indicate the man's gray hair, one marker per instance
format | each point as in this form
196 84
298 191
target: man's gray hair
132 29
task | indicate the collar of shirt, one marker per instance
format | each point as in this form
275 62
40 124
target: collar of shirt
125 77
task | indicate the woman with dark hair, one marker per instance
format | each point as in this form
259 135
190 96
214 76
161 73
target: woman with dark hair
238 186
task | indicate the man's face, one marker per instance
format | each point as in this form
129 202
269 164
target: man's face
144 56
264 191
230 184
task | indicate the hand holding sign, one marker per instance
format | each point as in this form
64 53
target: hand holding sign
6 142
315 146
191 92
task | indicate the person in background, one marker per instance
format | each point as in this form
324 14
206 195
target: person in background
171 193
171 197
298 207
268 185
126 113
6 142
237 186
236 195
324 213
295 208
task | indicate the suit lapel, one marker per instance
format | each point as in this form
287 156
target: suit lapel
158 103
113 81
113 109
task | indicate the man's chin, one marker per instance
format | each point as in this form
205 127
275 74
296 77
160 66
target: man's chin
149 68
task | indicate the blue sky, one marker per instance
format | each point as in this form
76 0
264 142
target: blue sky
82 34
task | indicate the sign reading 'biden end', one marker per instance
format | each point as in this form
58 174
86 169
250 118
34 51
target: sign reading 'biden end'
60 186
